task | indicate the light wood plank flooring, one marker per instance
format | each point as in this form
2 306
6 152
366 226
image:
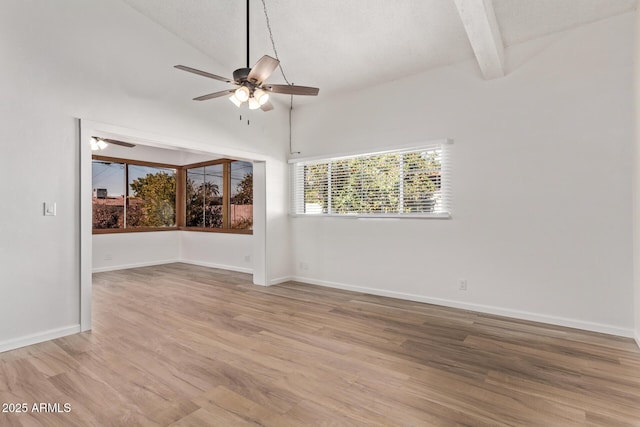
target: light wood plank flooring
180 345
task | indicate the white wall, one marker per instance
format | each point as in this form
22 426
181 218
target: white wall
280 262
129 250
98 60
541 224
636 183
218 250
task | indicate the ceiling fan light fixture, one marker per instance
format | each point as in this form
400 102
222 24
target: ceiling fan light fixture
235 100
242 93
261 96
253 104
94 144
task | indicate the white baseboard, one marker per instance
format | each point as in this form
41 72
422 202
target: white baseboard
171 261
134 265
279 280
499 311
26 340
637 337
220 266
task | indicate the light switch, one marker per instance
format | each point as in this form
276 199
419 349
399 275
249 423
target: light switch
49 209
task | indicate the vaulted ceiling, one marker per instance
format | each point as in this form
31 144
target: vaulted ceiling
342 45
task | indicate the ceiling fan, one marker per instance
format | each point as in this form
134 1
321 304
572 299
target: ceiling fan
250 83
99 143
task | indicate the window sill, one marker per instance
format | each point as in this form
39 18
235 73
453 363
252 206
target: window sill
376 216
154 229
132 230
217 230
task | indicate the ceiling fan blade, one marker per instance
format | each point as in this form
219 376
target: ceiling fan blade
292 90
267 106
121 143
203 73
263 69
214 95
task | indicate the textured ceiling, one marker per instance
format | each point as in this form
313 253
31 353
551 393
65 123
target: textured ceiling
522 20
350 44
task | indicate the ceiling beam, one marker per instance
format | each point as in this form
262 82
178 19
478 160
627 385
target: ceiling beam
480 23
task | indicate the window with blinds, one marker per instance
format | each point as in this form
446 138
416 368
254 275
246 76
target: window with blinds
398 183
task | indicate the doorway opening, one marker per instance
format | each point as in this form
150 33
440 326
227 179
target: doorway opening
225 241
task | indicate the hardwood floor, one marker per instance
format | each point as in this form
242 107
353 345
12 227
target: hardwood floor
180 345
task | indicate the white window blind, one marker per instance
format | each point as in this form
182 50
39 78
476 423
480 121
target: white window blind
397 183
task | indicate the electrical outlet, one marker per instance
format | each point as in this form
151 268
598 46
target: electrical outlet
303 266
462 284
247 258
108 257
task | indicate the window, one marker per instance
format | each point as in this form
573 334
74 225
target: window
219 196
108 194
407 183
205 191
241 195
151 201
128 195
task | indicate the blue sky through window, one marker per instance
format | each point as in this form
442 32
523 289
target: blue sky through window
111 175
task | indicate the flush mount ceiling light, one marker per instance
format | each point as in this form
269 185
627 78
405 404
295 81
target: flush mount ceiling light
250 82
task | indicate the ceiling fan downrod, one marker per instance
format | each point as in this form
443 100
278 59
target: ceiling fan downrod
247 33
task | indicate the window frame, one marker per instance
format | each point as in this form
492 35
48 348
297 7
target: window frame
226 198
297 194
181 175
126 163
